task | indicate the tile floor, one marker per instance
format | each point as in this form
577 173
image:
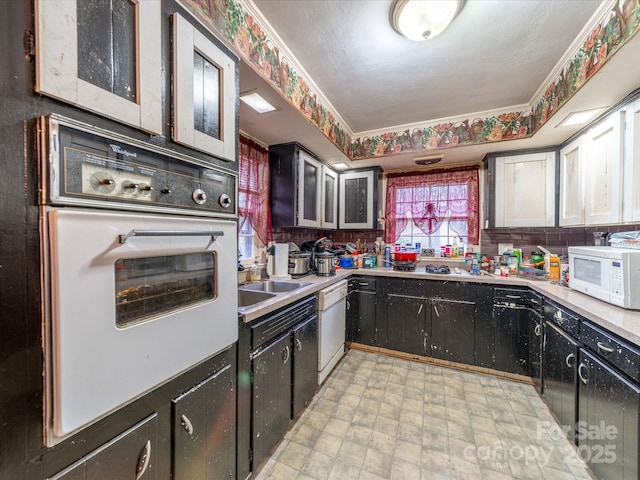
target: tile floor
379 417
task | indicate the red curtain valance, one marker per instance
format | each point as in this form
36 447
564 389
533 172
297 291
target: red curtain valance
430 197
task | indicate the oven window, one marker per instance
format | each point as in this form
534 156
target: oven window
153 286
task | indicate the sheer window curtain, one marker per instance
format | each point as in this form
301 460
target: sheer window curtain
430 197
253 189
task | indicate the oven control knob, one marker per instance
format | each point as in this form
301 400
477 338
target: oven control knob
102 182
199 196
225 200
166 191
129 185
145 187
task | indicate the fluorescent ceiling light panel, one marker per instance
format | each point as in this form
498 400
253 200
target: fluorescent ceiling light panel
579 118
340 166
259 104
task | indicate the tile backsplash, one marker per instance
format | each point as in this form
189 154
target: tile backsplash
554 239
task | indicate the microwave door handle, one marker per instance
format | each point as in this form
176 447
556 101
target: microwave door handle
122 238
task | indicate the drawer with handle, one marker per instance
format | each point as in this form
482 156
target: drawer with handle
617 352
564 319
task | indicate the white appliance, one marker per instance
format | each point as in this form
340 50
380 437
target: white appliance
610 274
136 262
332 311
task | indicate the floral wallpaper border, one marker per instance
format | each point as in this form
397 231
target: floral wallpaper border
229 19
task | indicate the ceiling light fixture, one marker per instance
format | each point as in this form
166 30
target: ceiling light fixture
579 118
258 103
422 19
428 159
340 166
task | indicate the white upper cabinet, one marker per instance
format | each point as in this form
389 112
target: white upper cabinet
572 183
631 204
525 190
204 93
358 199
309 175
102 57
329 201
603 172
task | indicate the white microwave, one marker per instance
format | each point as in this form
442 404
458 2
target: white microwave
607 273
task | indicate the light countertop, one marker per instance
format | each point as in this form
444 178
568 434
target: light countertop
624 323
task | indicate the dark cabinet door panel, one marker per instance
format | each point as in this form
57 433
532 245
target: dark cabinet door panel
453 330
560 360
272 370
362 317
305 363
512 339
204 429
130 455
608 414
407 324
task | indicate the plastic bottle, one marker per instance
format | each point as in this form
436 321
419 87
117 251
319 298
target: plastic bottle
454 248
462 250
387 256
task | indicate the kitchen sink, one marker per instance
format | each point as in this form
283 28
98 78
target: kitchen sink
247 298
273 286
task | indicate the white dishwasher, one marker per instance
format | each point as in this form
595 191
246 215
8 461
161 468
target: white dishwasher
332 312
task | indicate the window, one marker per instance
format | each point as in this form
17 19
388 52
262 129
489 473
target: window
433 208
254 223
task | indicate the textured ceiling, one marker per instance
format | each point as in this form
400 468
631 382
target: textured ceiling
495 54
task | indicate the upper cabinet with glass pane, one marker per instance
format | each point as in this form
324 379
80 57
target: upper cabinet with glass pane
359 198
103 56
303 190
205 89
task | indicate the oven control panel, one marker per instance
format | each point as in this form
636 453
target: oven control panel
91 169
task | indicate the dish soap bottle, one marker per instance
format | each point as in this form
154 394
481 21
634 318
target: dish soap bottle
454 248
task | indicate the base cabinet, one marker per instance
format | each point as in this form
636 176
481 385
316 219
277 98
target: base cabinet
130 455
362 308
305 363
409 324
560 362
271 412
608 419
204 432
453 330
518 333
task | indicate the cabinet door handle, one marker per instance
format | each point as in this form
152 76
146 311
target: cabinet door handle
567 360
186 424
582 377
435 308
604 348
538 330
516 297
298 344
143 460
420 309
348 305
363 284
286 353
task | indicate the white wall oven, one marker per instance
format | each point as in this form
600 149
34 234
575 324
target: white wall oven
138 246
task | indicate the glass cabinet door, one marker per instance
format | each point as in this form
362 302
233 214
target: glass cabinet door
329 198
357 199
309 191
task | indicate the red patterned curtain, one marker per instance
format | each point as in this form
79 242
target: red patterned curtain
253 189
432 196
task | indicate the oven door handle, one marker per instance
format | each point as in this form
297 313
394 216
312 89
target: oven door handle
122 238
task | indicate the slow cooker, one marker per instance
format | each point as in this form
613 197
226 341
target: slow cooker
299 263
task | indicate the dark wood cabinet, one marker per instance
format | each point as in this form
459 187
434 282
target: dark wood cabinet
305 363
608 419
362 313
560 376
278 355
204 432
408 324
453 330
131 454
271 411
518 332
